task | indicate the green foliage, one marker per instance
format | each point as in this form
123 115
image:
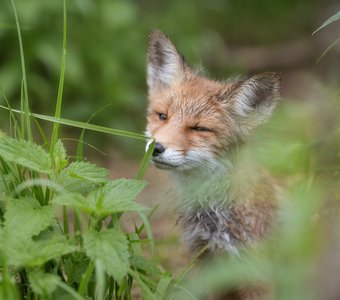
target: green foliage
114 197
45 255
110 247
43 284
25 153
31 236
27 211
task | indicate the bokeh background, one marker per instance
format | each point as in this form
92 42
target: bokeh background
107 44
106 54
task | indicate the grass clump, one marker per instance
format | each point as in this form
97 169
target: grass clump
60 235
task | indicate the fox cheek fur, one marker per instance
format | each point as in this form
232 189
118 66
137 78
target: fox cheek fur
198 125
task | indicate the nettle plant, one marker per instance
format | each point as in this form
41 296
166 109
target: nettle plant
60 233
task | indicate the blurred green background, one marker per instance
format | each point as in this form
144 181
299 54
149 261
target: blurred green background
107 44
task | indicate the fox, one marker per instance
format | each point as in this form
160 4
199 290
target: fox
198 126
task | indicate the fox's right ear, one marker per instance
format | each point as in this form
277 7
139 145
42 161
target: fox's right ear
165 66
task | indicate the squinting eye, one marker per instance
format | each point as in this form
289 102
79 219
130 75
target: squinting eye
200 128
162 116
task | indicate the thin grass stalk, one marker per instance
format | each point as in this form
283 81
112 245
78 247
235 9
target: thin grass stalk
25 105
145 161
12 116
65 222
100 278
111 284
80 146
61 85
83 286
83 125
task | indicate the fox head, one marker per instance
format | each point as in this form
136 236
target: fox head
194 120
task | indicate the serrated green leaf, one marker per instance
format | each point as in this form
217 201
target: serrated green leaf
25 153
29 253
114 197
87 171
25 217
43 283
73 200
148 266
5 182
111 247
82 177
163 285
75 268
60 156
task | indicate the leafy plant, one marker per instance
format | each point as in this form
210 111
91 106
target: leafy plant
60 234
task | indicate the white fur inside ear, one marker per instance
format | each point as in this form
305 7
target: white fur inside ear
165 65
256 98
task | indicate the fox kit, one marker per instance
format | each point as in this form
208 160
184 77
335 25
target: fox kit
199 125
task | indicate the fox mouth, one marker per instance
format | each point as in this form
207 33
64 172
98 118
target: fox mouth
161 164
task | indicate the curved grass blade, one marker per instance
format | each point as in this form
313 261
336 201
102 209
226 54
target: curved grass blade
327 49
61 84
12 116
80 158
145 161
83 125
80 146
332 19
24 103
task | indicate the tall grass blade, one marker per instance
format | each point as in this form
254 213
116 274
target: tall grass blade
61 85
100 278
327 49
86 279
84 125
145 161
80 146
332 19
12 116
27 123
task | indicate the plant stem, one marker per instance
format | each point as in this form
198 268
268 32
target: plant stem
60 87
85 279
27 123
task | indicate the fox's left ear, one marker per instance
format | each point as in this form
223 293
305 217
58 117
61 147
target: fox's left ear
254 99
165 65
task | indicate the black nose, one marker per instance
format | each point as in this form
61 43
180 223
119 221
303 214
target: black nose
158 149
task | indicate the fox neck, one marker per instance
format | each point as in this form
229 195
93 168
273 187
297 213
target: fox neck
212 185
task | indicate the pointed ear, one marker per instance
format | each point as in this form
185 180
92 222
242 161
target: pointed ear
165 65
254 99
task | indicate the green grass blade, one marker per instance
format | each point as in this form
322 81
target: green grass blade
61 85
82 125
80 158
70 291
12 116
80 146
100 278
86 279
27 123
327 49
145 161
41 131
332 19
